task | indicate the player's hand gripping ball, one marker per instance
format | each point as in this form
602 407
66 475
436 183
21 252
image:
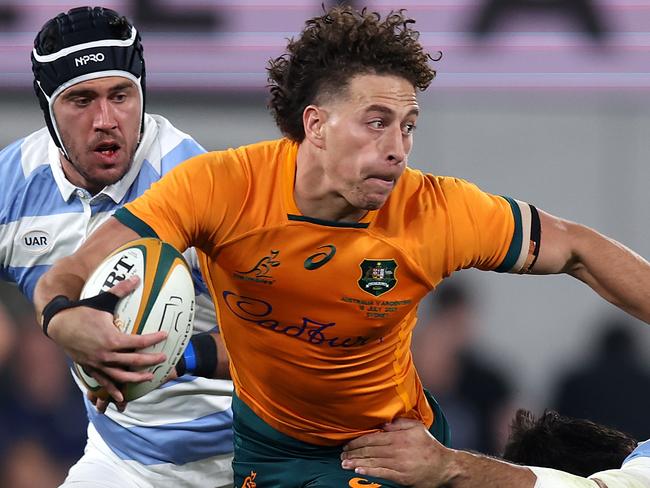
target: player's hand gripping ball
164 300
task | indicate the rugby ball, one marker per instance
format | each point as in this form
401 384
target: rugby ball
163 300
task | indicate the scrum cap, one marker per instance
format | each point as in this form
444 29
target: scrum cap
83 44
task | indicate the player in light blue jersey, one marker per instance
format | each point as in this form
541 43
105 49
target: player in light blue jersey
99 151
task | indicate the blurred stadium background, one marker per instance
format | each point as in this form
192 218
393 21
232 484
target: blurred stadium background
547 101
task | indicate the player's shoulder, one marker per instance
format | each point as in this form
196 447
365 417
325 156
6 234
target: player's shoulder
414 181
242 163
167 146
267 152
250 158
239 173
27 153
642 451
635 473
166 130
418 192
24 158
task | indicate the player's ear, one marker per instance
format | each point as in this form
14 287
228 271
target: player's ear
313 120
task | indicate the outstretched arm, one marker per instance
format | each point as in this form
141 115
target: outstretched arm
408 454
615 272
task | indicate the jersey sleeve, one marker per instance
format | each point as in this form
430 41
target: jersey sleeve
641 451
553 478
489 232
634 474
191 205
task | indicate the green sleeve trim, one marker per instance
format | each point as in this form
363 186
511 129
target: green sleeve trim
515 245
127 218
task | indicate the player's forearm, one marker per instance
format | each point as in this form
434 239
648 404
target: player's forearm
222 370
69 274
405 452
615 272
64 278
205 356
467 470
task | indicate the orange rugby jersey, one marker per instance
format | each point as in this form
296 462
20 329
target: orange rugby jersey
317 316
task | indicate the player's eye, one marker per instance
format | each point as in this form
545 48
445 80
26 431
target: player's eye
82 101
409 129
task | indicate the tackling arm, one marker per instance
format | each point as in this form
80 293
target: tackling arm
408 454
615 272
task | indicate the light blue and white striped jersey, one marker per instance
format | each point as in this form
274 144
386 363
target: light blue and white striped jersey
641 451
44 217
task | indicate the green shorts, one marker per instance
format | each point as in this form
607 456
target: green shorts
267 458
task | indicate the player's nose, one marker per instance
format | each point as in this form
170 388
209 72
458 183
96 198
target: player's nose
104 115
395 145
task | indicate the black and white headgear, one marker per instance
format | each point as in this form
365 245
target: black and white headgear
81 45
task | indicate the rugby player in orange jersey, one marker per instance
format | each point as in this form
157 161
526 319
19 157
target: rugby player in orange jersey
317 248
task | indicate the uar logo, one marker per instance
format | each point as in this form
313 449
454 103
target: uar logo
37 241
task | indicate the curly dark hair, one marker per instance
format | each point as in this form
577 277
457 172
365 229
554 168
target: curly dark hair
577 446
335 47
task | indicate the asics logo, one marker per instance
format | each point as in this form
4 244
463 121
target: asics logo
319 259
362 483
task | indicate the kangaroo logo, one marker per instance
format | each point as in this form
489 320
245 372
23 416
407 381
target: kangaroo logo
263 267
261 272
